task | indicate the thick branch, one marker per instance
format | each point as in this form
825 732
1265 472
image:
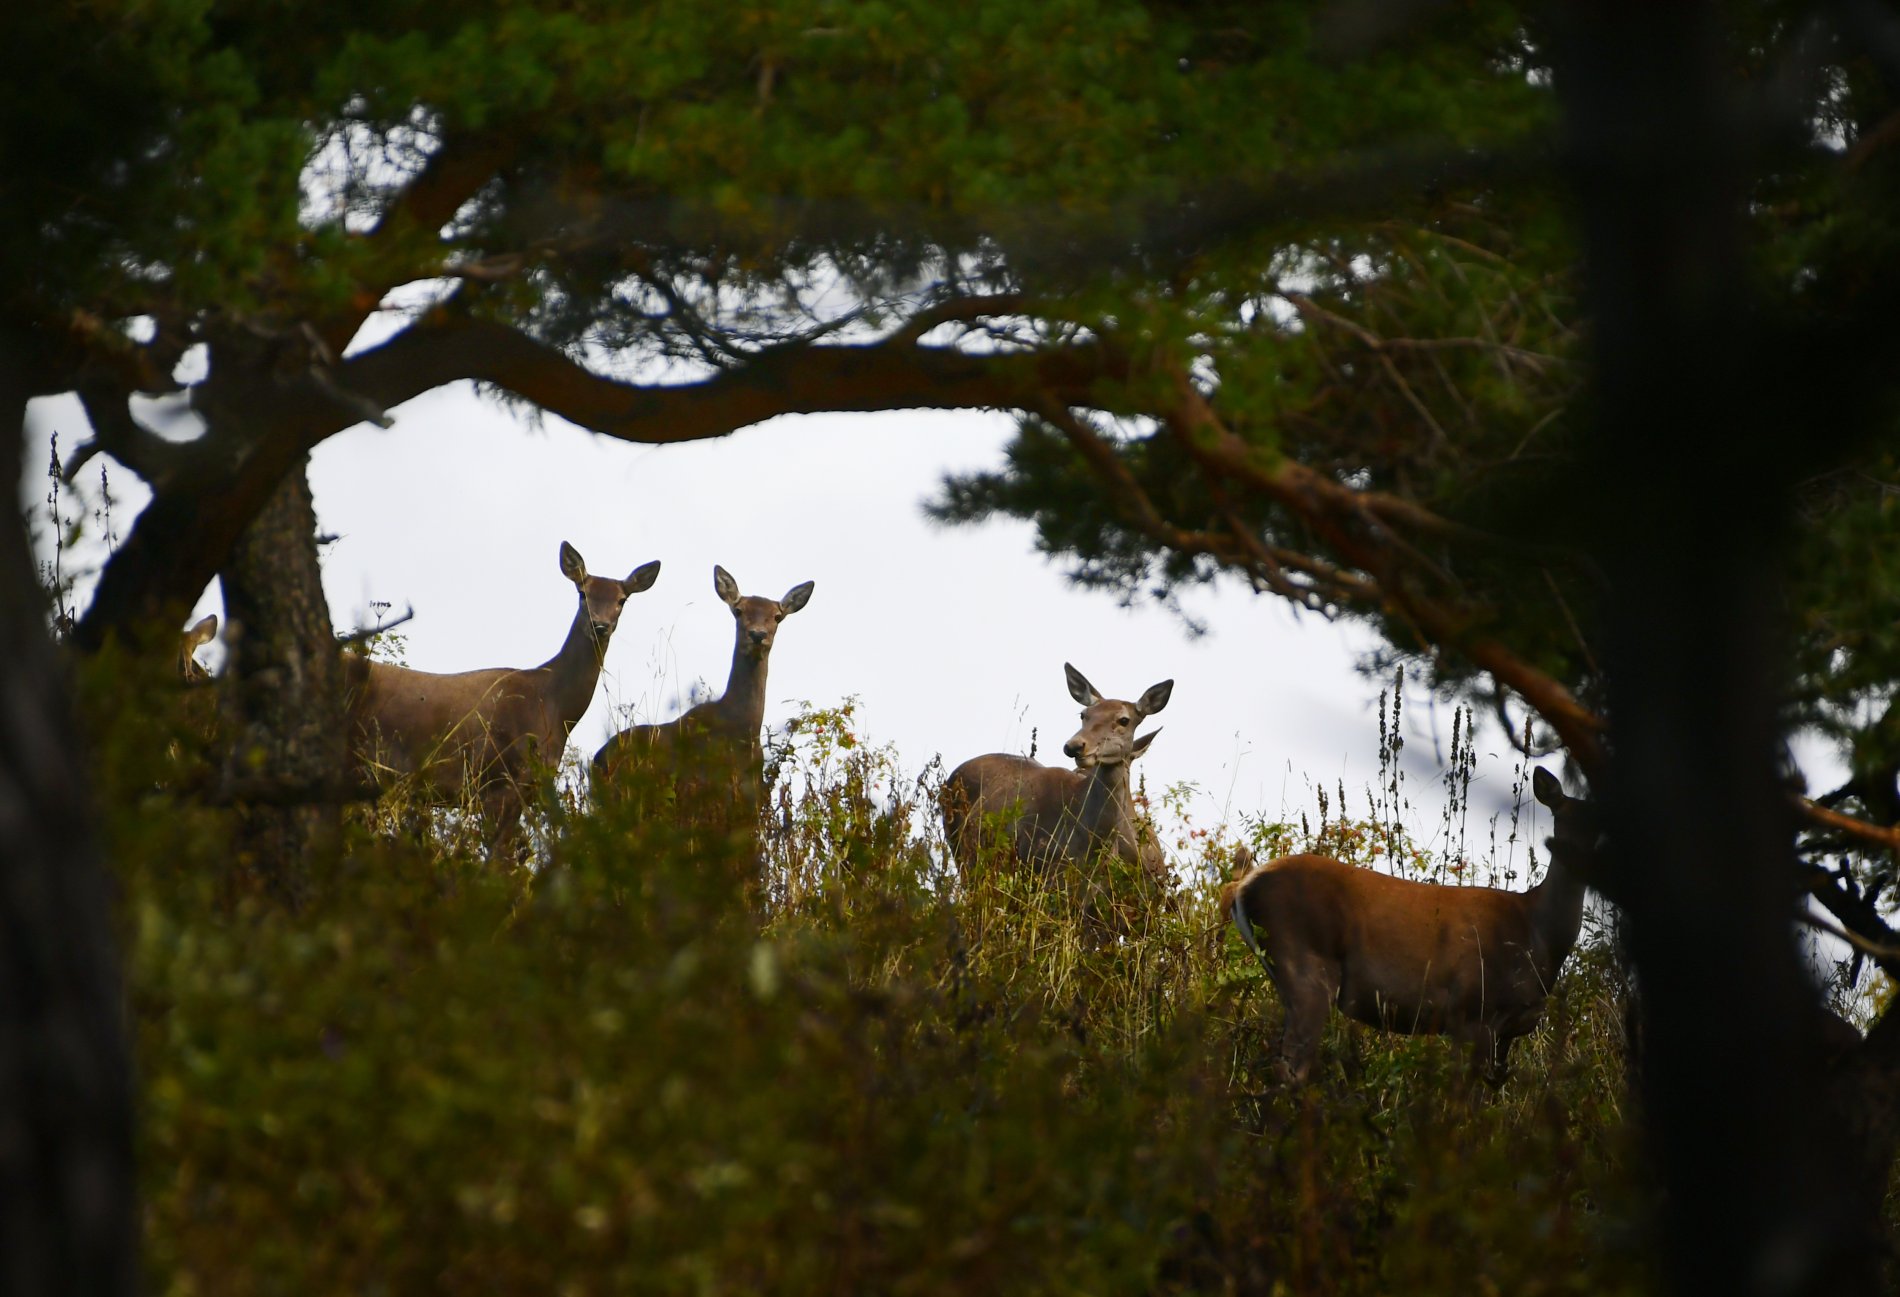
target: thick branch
1885 837
218 485
454 173
1352 523
114 432
1858 916
795 379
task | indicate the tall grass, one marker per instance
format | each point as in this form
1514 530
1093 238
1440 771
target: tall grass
824 1061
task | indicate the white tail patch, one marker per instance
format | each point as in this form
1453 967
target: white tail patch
1244 926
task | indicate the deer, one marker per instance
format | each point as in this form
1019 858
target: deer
1048 816
714 748
199 634
491 731
1473 963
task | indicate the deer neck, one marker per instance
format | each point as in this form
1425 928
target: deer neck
1556 908
1107 809
741 709
574 670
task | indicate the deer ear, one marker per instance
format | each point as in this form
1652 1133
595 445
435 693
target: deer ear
1546 788
1079 687
725 586
643 577
1155 698
201 633
795 598
1141 744
571 565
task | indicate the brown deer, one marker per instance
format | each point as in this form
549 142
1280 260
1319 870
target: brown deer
201 633
714 749
1046 815
1474 963
494 731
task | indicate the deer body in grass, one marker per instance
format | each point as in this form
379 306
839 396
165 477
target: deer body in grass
713 750
1046 816
492 732
1474 963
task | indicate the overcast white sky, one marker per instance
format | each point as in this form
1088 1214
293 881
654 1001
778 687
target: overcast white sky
953 639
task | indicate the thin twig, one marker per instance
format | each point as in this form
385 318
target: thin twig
371 632
1854 939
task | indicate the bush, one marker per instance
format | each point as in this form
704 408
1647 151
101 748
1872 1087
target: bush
658 1065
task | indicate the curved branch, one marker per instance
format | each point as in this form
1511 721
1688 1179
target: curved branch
1858 915
1882 837
185 535
1340 516
962 309
452 175
114 432
795 379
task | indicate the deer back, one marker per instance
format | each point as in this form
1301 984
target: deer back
1035 807
1417 956
494 721
713 748
1403 954
1054 815
440 726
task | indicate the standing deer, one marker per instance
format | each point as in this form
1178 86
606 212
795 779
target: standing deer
714 749
492 731
1050 816
1474 963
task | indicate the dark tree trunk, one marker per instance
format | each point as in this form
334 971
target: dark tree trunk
1688 508
283 692
68 1223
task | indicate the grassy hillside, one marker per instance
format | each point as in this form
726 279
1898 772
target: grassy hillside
638 1070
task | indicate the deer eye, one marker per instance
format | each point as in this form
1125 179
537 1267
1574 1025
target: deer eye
1121 720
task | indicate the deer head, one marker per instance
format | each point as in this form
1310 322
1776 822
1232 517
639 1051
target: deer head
1576 826
1107 736
758 618
189 642
602 597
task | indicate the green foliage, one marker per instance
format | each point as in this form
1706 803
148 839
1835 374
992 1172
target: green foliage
617 1074
1431 354
701 182
223 150
648 1065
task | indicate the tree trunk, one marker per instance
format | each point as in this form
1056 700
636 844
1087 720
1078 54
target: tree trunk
284 699
68 1220
1688 505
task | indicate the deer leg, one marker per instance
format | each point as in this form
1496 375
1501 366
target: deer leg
1308 991
501 811
1490 1053
1500 1060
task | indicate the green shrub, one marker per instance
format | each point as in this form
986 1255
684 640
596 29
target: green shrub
833 1067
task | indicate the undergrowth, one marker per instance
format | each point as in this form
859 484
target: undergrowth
654 1064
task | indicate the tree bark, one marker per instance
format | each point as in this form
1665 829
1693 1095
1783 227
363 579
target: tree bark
283 693
68 1222
1760 1192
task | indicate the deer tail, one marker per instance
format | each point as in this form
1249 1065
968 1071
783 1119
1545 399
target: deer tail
1233 895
